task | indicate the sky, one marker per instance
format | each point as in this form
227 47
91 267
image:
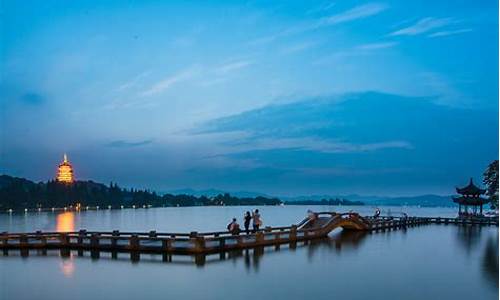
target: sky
278 97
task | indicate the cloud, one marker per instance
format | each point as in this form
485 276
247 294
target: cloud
233 66
321 8
358 12
298 47
133 82
127 144
422 26
449 32
168 82
356 51
312 144
376 46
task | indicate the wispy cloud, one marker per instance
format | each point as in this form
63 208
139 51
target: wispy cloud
298 47
423 26
127 144
311 144
360 50
133 82
355 13
321 8
449 32
233 66
376 46
358 12
169 81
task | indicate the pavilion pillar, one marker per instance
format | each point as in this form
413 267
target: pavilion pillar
481 210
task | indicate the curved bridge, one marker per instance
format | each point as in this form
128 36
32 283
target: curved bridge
325 222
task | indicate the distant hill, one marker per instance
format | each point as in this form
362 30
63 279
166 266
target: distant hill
422 200
215 192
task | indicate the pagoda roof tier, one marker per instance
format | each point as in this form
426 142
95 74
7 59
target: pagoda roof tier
470 200
470 189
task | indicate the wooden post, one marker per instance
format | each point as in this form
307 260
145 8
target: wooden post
23 243
134 248
166 245
94 246
293 233
64 241
259 237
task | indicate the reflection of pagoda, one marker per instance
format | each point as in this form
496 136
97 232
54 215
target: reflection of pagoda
470 196
65 171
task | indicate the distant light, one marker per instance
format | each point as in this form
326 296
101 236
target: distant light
65 171
133 206
53 209
25 210
109 206
10 210
97 207
65 208
121 206
39 209
86 207
144 206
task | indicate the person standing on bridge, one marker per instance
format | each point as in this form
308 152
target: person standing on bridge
247 219
257 222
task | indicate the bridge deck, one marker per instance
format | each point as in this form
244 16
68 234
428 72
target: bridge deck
213 242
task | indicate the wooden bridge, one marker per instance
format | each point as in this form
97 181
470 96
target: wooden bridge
167 244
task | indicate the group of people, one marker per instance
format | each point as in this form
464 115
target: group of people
254 218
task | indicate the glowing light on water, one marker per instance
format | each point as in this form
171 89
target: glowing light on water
67 267
65 222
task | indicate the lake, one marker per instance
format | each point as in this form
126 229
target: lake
430 261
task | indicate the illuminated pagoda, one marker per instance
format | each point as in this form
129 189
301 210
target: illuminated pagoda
470 196
65 171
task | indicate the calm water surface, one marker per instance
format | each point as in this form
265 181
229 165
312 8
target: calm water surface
431 262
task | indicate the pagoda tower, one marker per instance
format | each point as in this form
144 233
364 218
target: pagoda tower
470 196
65 171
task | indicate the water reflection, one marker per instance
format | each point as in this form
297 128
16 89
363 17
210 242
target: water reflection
65 222
67 267
490 261
469 237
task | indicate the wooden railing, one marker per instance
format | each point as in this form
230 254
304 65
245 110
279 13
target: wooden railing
212 242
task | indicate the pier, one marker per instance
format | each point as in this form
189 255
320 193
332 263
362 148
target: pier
203 243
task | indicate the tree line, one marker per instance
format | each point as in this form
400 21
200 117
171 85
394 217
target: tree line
20 193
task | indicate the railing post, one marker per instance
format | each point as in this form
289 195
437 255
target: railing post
115 235
23 243
134 248
293 233
197 241
94 245
5 241
259 237
166 245
63 239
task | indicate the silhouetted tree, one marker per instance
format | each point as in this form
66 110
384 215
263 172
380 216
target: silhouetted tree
490 179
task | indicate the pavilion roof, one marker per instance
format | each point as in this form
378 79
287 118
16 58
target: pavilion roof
470 189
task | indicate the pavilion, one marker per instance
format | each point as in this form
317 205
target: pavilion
470 196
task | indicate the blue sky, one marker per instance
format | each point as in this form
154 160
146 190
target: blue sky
285 97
